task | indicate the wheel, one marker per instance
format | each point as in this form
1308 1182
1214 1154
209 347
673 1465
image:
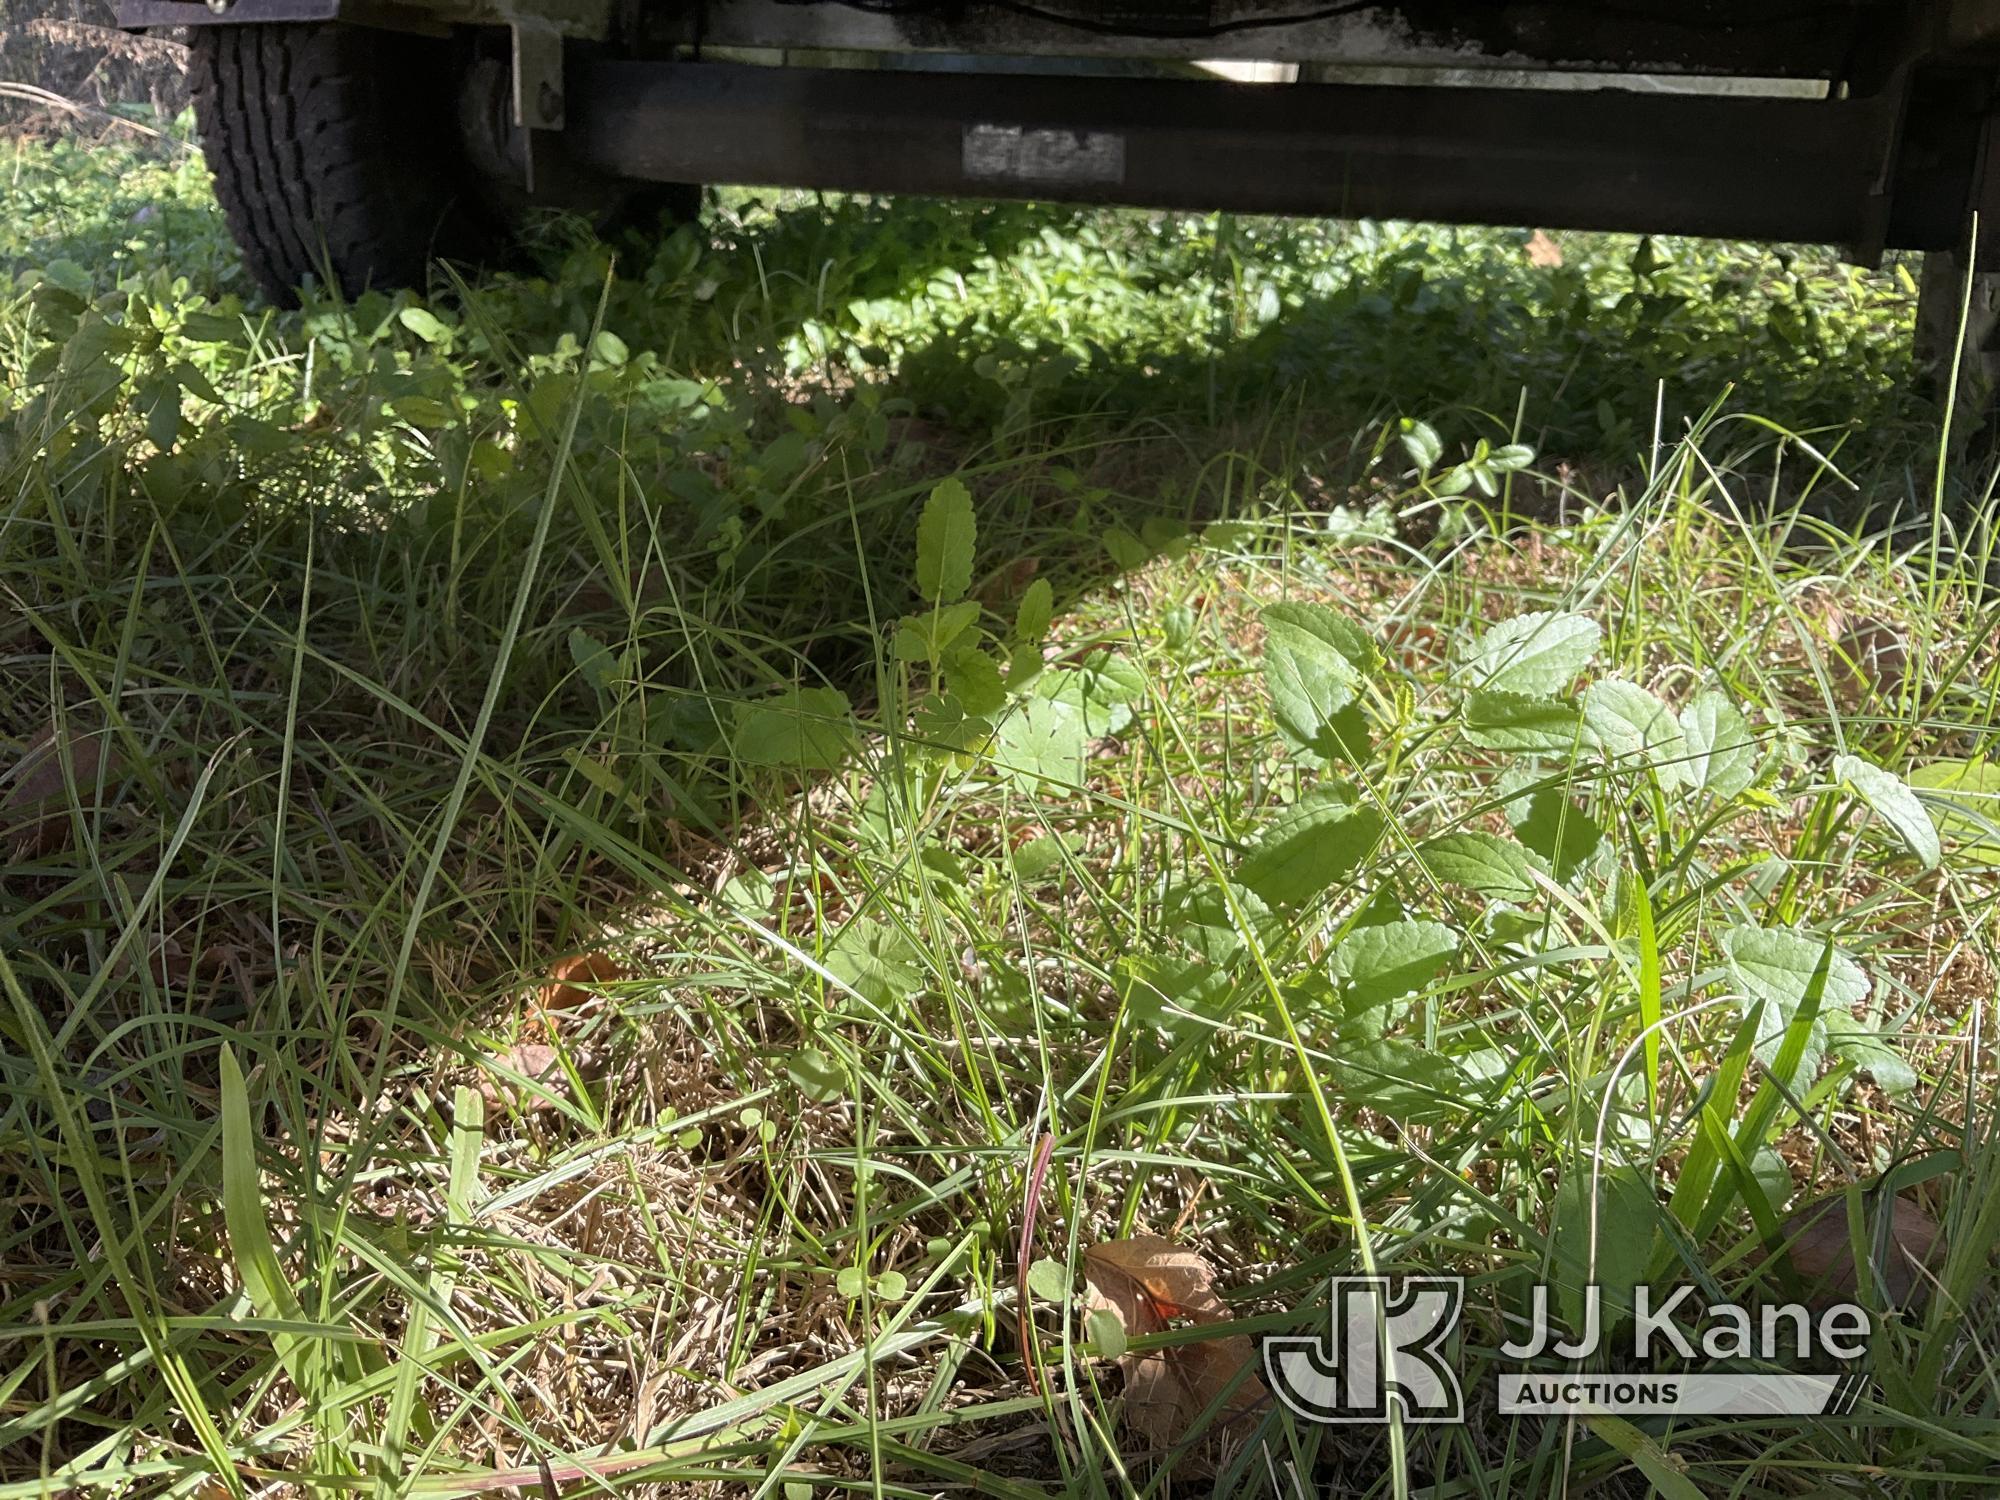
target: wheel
355 156
336 153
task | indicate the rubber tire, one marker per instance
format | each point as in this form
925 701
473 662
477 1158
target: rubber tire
336 153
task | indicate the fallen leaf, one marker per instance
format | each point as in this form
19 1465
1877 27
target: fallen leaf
570 980
1876 653
34 816
1543 251
1148 1283
1822 1251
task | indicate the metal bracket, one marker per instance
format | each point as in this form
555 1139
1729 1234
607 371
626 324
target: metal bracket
538 75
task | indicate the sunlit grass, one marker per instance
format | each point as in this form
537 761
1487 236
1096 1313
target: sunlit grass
399 654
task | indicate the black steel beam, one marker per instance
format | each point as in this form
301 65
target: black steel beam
1802 170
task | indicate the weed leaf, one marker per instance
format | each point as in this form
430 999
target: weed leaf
1035 613
1721 750
802 729
1383 966
1042 740
1103 688
1401 1079
975 681
1310 845
1625 1213
1775 968
1314 663
1634 728
1872 1053
1965 796
1514 721
1554 827
945 535
1534 654
816 1075
876 960
1891 799
1484 862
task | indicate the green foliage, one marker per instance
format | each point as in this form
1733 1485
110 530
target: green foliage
1480 883
1533 655
1893 801
1314 664
944 544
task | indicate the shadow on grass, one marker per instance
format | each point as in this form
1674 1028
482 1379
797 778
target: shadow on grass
739 508
285 627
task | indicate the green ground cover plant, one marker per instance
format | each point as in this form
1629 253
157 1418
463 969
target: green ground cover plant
689 867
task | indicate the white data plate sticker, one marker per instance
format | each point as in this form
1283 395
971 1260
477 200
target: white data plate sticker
1013 153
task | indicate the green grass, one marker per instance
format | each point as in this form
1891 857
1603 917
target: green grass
689 615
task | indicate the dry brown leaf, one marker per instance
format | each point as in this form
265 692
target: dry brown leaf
1822 1251
1148 1282
1877 654
569 979
1543 251
34 816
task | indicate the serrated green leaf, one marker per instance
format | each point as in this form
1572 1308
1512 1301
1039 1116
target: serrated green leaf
1721 749
1035 613
1308 847
1102 687
1382 966
1870 1052
926 637
1964 798
1535 655
1401 1079
1551 825
974 678
1166 992
1315 661
876 961
1486 863
595 662
1892 800
1043 855
1774 967
802 729
945 535
1634 728
1512 721
1126 550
